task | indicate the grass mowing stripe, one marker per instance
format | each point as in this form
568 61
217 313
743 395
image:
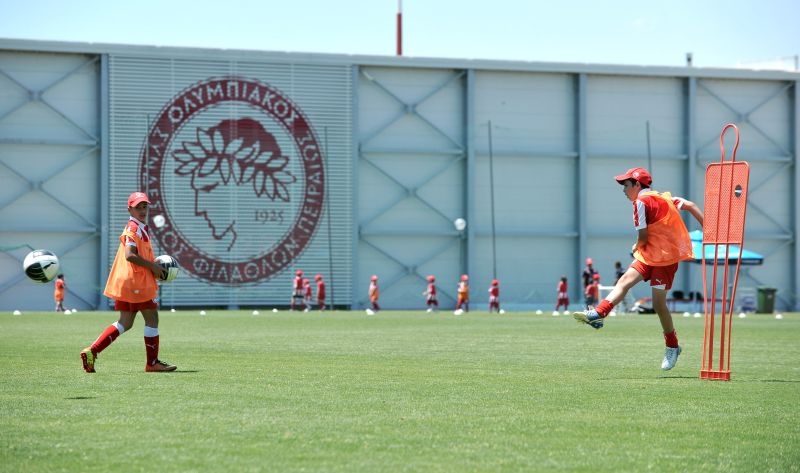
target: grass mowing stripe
399 391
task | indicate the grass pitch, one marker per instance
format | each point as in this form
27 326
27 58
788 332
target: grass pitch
399 391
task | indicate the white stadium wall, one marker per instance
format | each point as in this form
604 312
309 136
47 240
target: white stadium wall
263 163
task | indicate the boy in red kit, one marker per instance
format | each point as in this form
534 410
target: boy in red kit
308 296
374 294
662 243
430 295
320 292
494 296
562 296
592 292
297 290
132 284
462 305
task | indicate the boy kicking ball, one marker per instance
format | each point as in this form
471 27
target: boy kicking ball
662 243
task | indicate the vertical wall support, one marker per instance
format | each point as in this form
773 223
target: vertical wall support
581 178
795 207
105 177
469 174
355 146
691 167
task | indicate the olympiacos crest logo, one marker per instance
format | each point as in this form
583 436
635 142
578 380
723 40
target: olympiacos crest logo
235 169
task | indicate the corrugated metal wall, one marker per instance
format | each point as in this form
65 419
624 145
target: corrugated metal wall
49 174
407 150
242 187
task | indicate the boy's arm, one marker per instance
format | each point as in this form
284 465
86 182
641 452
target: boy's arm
132 256
693 209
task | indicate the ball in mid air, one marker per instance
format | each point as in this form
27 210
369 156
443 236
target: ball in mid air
41 266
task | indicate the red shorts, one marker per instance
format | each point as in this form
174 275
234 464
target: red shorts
660 277
123 306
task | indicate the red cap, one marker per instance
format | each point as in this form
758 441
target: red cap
588 260
464 277
495 282
299 272
317 277
373 278
137 197
431 278
638 174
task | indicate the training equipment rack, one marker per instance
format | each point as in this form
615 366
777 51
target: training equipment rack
723 226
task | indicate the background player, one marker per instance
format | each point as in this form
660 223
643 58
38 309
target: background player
431 299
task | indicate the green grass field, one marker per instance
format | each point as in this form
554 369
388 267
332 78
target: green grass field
399 391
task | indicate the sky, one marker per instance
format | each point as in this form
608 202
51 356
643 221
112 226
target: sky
733 33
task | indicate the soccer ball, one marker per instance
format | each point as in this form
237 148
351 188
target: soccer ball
168 262
41 266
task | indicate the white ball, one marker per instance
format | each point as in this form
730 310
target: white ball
159 221
67 312
502 311
41 266
171 265
16 312
566 312
686 314
460 224
275 310
539 312
202 312
697 315
742 315
172 310
74 311
779 316
556 313
255 312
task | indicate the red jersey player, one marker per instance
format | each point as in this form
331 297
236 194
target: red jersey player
297 290
562 296
430 294
307 295
494 296
320 291
592 291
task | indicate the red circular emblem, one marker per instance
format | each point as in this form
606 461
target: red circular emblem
235 178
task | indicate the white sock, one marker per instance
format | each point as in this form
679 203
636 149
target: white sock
119 327
150 331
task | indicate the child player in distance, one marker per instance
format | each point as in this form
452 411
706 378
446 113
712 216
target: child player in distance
431 299
320 292
133 287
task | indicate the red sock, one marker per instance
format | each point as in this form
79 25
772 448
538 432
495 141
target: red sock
604 308
104 340
671 339
151 348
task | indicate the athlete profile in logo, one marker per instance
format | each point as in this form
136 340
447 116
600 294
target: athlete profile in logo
233 153
257 174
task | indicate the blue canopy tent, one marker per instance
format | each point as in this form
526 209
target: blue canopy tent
748 257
